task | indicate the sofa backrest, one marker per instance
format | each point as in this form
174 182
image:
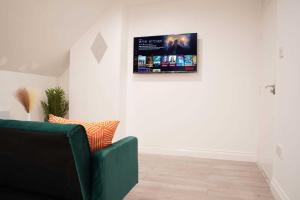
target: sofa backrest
44 158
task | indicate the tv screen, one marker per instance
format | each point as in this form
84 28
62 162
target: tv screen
165 53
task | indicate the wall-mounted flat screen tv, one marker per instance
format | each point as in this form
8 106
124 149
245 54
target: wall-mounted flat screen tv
165 53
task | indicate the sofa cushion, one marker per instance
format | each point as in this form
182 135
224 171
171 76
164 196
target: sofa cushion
100 134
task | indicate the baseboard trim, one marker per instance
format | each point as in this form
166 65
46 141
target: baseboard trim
266 174
277 190
210 154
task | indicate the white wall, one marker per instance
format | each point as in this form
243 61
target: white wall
95 89
11 81
286 178
210 113
63 81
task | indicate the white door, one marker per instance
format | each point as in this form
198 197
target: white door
267 75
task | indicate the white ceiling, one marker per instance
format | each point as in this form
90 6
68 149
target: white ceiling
36 35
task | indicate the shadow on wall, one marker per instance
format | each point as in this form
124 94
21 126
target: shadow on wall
194 76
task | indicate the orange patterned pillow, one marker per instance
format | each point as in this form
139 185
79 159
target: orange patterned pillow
100 134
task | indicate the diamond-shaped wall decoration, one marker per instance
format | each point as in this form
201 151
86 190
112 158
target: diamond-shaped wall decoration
99 47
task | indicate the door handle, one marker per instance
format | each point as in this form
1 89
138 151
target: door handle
272 88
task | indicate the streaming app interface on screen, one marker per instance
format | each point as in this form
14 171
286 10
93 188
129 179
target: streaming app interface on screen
166 53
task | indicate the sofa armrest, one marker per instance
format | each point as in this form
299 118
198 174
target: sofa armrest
115 170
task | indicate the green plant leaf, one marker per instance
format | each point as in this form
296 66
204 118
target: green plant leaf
56 104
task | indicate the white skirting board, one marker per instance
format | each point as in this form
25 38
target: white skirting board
278 191
210 154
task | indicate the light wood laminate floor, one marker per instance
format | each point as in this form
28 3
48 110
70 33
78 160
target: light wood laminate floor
185 178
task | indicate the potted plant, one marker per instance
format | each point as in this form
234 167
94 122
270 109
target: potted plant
56 104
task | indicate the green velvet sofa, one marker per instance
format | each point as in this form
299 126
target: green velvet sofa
40 160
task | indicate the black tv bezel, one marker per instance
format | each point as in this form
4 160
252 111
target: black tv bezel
166 72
